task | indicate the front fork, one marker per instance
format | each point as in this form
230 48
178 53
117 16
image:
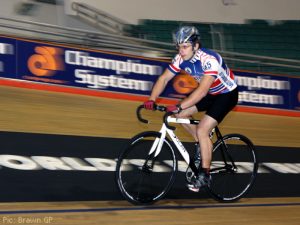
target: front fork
155 149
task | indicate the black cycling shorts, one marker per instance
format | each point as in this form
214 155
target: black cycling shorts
218 106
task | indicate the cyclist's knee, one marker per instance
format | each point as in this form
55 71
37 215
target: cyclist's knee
203 131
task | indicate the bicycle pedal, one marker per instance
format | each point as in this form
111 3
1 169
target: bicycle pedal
189 174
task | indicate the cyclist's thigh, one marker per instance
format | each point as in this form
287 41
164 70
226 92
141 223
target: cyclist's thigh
222 105
205 103
206 124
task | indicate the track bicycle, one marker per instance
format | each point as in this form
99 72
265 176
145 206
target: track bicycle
146 168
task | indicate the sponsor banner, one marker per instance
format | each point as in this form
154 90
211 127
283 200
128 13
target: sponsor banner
86 69
295 94
42 167
97 70
8 54
281 92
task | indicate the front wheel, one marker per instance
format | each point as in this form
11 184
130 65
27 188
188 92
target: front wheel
144 178
233 168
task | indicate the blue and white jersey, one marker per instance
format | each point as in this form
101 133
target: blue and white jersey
206 62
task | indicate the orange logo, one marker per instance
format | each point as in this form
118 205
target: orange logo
46 61
184 84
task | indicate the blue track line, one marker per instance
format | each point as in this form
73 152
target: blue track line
133 208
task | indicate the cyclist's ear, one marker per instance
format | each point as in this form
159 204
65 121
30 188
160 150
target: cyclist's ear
195 46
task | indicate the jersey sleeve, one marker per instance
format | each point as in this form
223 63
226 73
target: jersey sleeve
211 67
174 67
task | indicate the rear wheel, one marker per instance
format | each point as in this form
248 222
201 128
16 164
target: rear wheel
144 178
233 168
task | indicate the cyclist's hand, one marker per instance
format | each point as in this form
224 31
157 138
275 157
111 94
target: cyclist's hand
174 108
149 105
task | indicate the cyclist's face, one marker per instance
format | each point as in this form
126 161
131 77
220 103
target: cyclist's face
185 50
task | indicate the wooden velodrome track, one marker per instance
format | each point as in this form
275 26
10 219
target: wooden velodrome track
34 111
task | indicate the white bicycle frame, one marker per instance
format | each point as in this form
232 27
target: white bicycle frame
157 145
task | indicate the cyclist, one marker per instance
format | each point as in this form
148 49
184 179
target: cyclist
217 94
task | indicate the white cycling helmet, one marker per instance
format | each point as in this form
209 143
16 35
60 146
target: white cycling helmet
186 34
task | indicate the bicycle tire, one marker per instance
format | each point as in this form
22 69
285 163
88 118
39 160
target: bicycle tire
137 181
229 184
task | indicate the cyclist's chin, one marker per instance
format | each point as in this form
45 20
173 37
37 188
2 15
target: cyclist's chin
184 57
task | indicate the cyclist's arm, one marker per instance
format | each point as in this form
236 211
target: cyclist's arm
199 93
160 84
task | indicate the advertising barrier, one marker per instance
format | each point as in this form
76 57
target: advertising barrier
108 72
263 90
